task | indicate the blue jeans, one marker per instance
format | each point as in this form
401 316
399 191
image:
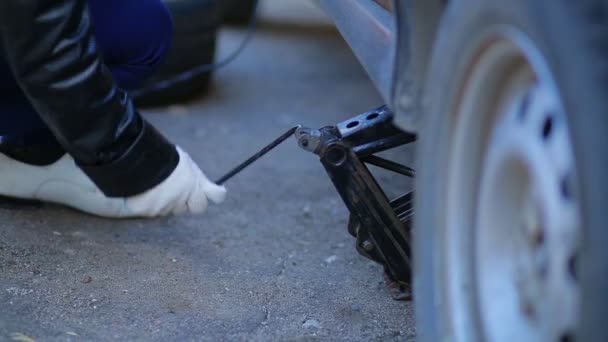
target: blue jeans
133 37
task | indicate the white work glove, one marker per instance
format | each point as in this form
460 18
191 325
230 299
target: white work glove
186 190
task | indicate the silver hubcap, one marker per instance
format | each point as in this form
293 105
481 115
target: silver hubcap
512 224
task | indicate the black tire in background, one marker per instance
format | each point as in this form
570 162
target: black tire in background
573 37
237 12
194 43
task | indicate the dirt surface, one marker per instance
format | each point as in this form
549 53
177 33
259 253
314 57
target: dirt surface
274 262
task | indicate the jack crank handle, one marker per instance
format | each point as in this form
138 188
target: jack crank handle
256 156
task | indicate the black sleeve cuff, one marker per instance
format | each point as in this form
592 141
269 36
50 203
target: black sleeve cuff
148 162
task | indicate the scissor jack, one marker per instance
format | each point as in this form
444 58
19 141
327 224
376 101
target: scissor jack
380 226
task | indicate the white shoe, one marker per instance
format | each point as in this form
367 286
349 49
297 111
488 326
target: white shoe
186 190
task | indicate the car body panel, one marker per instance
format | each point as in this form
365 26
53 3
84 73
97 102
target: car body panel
393 41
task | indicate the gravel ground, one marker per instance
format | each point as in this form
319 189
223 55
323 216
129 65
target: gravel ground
274 262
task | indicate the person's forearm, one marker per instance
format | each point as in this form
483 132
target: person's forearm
50 47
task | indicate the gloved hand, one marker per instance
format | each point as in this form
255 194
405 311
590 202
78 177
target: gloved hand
186 190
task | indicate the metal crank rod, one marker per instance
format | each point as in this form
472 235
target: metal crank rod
256 156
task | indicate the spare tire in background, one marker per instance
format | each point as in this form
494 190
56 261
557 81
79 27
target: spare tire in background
194 42
238 12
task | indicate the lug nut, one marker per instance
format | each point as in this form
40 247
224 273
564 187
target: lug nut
532 227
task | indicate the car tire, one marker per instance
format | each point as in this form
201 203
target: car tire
194 44
238 12
511 80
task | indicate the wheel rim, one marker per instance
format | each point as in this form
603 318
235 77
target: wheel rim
512 218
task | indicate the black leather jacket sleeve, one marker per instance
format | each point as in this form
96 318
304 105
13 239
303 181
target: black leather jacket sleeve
50 47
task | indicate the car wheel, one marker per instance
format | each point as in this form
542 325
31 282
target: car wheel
194 44
511 186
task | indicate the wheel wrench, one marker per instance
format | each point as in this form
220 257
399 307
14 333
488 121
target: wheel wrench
256 156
